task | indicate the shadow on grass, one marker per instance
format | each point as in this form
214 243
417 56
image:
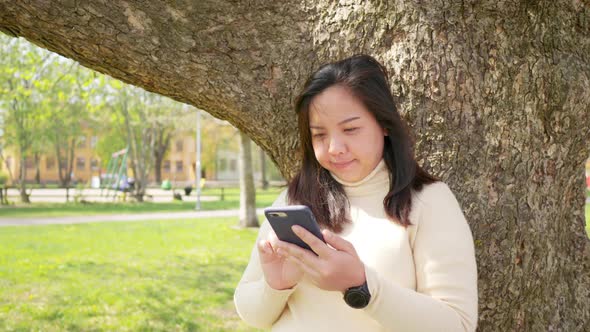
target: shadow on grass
95 208
179 293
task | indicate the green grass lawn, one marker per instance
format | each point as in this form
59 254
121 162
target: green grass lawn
231 200
142 276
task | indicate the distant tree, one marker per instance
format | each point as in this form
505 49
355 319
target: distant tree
169 118
248 216
263 175
67 113
145 123
22 84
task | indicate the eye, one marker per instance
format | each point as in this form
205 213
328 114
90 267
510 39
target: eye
318 135
351 130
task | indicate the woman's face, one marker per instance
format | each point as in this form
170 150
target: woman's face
346 138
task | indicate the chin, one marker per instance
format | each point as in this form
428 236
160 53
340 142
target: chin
349 177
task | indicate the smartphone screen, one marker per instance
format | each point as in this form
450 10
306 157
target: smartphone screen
281 220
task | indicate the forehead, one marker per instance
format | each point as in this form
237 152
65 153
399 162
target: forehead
335 103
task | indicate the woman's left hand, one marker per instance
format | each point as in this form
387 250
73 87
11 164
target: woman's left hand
337 267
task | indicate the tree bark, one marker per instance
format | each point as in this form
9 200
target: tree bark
496 92
248 216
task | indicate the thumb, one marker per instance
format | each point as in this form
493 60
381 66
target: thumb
338 243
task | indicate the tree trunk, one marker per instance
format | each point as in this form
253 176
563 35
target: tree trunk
158 169
248 216
145 161
70 176
60 161
24 197
132 144
263 177
495 91
160 147
65 160
37 168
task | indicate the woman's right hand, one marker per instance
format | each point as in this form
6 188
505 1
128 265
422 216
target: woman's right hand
279 272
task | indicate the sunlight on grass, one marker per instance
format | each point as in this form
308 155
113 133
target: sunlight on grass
157 276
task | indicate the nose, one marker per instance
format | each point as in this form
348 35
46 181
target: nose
336 146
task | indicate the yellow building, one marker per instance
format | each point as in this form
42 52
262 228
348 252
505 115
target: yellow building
86 163
219 161
178 164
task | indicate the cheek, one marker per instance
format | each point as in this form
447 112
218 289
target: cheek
379 147
370 147
319 151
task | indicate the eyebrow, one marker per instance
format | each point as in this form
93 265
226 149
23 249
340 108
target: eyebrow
339 123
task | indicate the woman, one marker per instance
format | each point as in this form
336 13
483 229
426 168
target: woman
398 255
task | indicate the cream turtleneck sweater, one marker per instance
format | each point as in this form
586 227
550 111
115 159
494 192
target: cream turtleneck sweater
421 278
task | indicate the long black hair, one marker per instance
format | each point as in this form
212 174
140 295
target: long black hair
313 185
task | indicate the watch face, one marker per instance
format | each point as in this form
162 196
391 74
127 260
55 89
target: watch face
357 298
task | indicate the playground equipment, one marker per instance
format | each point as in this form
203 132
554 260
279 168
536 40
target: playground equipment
115 178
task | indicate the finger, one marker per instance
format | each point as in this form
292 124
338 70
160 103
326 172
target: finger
306 256
273 240
309 270
338 242
265 247
271 236
317 245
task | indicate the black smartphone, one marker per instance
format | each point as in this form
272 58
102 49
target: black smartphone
281 220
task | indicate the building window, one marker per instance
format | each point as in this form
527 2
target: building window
166 166
233 165
80 163
93 141
94 164
82 142
178 166
222 165
49 163
29 162
179 145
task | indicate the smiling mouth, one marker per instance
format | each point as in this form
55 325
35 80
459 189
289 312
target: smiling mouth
342 164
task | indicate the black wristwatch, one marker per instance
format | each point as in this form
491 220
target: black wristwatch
358 297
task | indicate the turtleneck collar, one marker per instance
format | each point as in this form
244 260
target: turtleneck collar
377 180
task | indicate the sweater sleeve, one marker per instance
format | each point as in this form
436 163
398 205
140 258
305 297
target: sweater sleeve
446 275
257 303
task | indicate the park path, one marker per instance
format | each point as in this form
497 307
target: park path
26 221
